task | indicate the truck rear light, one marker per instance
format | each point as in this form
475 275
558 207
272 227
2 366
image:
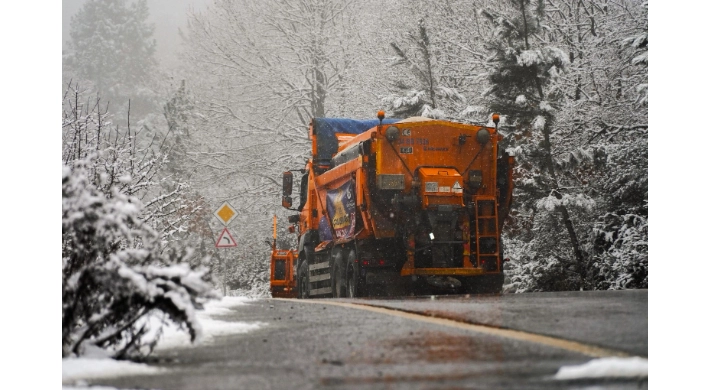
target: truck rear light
374 263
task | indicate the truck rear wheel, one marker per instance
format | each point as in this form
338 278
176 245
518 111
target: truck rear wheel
355 288
339 279
352 282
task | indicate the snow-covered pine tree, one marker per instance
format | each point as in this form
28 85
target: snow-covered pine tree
523 87
111 46
602 119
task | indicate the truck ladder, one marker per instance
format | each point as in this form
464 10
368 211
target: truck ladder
487 247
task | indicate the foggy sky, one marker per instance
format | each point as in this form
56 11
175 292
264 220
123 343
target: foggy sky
167 15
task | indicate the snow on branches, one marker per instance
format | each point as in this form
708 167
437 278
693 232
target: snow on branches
115 271
552 202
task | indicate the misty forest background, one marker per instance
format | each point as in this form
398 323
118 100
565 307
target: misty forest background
152 150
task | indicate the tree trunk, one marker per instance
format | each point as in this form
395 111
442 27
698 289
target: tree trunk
581 269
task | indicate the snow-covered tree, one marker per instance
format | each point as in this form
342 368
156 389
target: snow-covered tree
111 46
523 86
121 260
422 89
581 142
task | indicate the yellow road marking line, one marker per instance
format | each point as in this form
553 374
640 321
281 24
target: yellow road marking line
574 346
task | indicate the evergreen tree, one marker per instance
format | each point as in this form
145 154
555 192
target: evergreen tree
179 114
112 47
523 88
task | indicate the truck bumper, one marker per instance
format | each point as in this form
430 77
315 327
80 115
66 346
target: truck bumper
283 292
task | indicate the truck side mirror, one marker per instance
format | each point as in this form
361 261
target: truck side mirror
287 186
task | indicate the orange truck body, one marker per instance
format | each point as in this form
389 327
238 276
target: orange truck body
406 203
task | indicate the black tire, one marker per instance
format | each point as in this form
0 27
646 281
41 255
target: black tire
351 282
355 287
339 280
302 276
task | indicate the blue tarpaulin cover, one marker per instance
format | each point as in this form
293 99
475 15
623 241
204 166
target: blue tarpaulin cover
325 129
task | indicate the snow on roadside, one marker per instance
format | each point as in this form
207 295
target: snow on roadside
611 367
93 368
175 338
96 364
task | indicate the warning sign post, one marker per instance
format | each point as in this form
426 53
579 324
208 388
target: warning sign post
225 240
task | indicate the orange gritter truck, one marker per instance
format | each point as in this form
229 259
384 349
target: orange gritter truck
390 206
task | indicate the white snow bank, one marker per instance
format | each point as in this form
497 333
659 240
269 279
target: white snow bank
633 367
225 304
173 337
96 363
92 368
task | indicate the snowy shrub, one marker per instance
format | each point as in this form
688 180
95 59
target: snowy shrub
123 220
538 262
113 272
622 246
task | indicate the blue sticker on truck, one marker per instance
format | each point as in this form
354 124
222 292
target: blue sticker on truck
342 210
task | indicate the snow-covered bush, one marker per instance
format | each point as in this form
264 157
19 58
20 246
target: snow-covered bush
118 264
622 243
113 272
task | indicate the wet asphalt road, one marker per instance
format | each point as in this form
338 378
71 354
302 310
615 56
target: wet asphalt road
319 346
